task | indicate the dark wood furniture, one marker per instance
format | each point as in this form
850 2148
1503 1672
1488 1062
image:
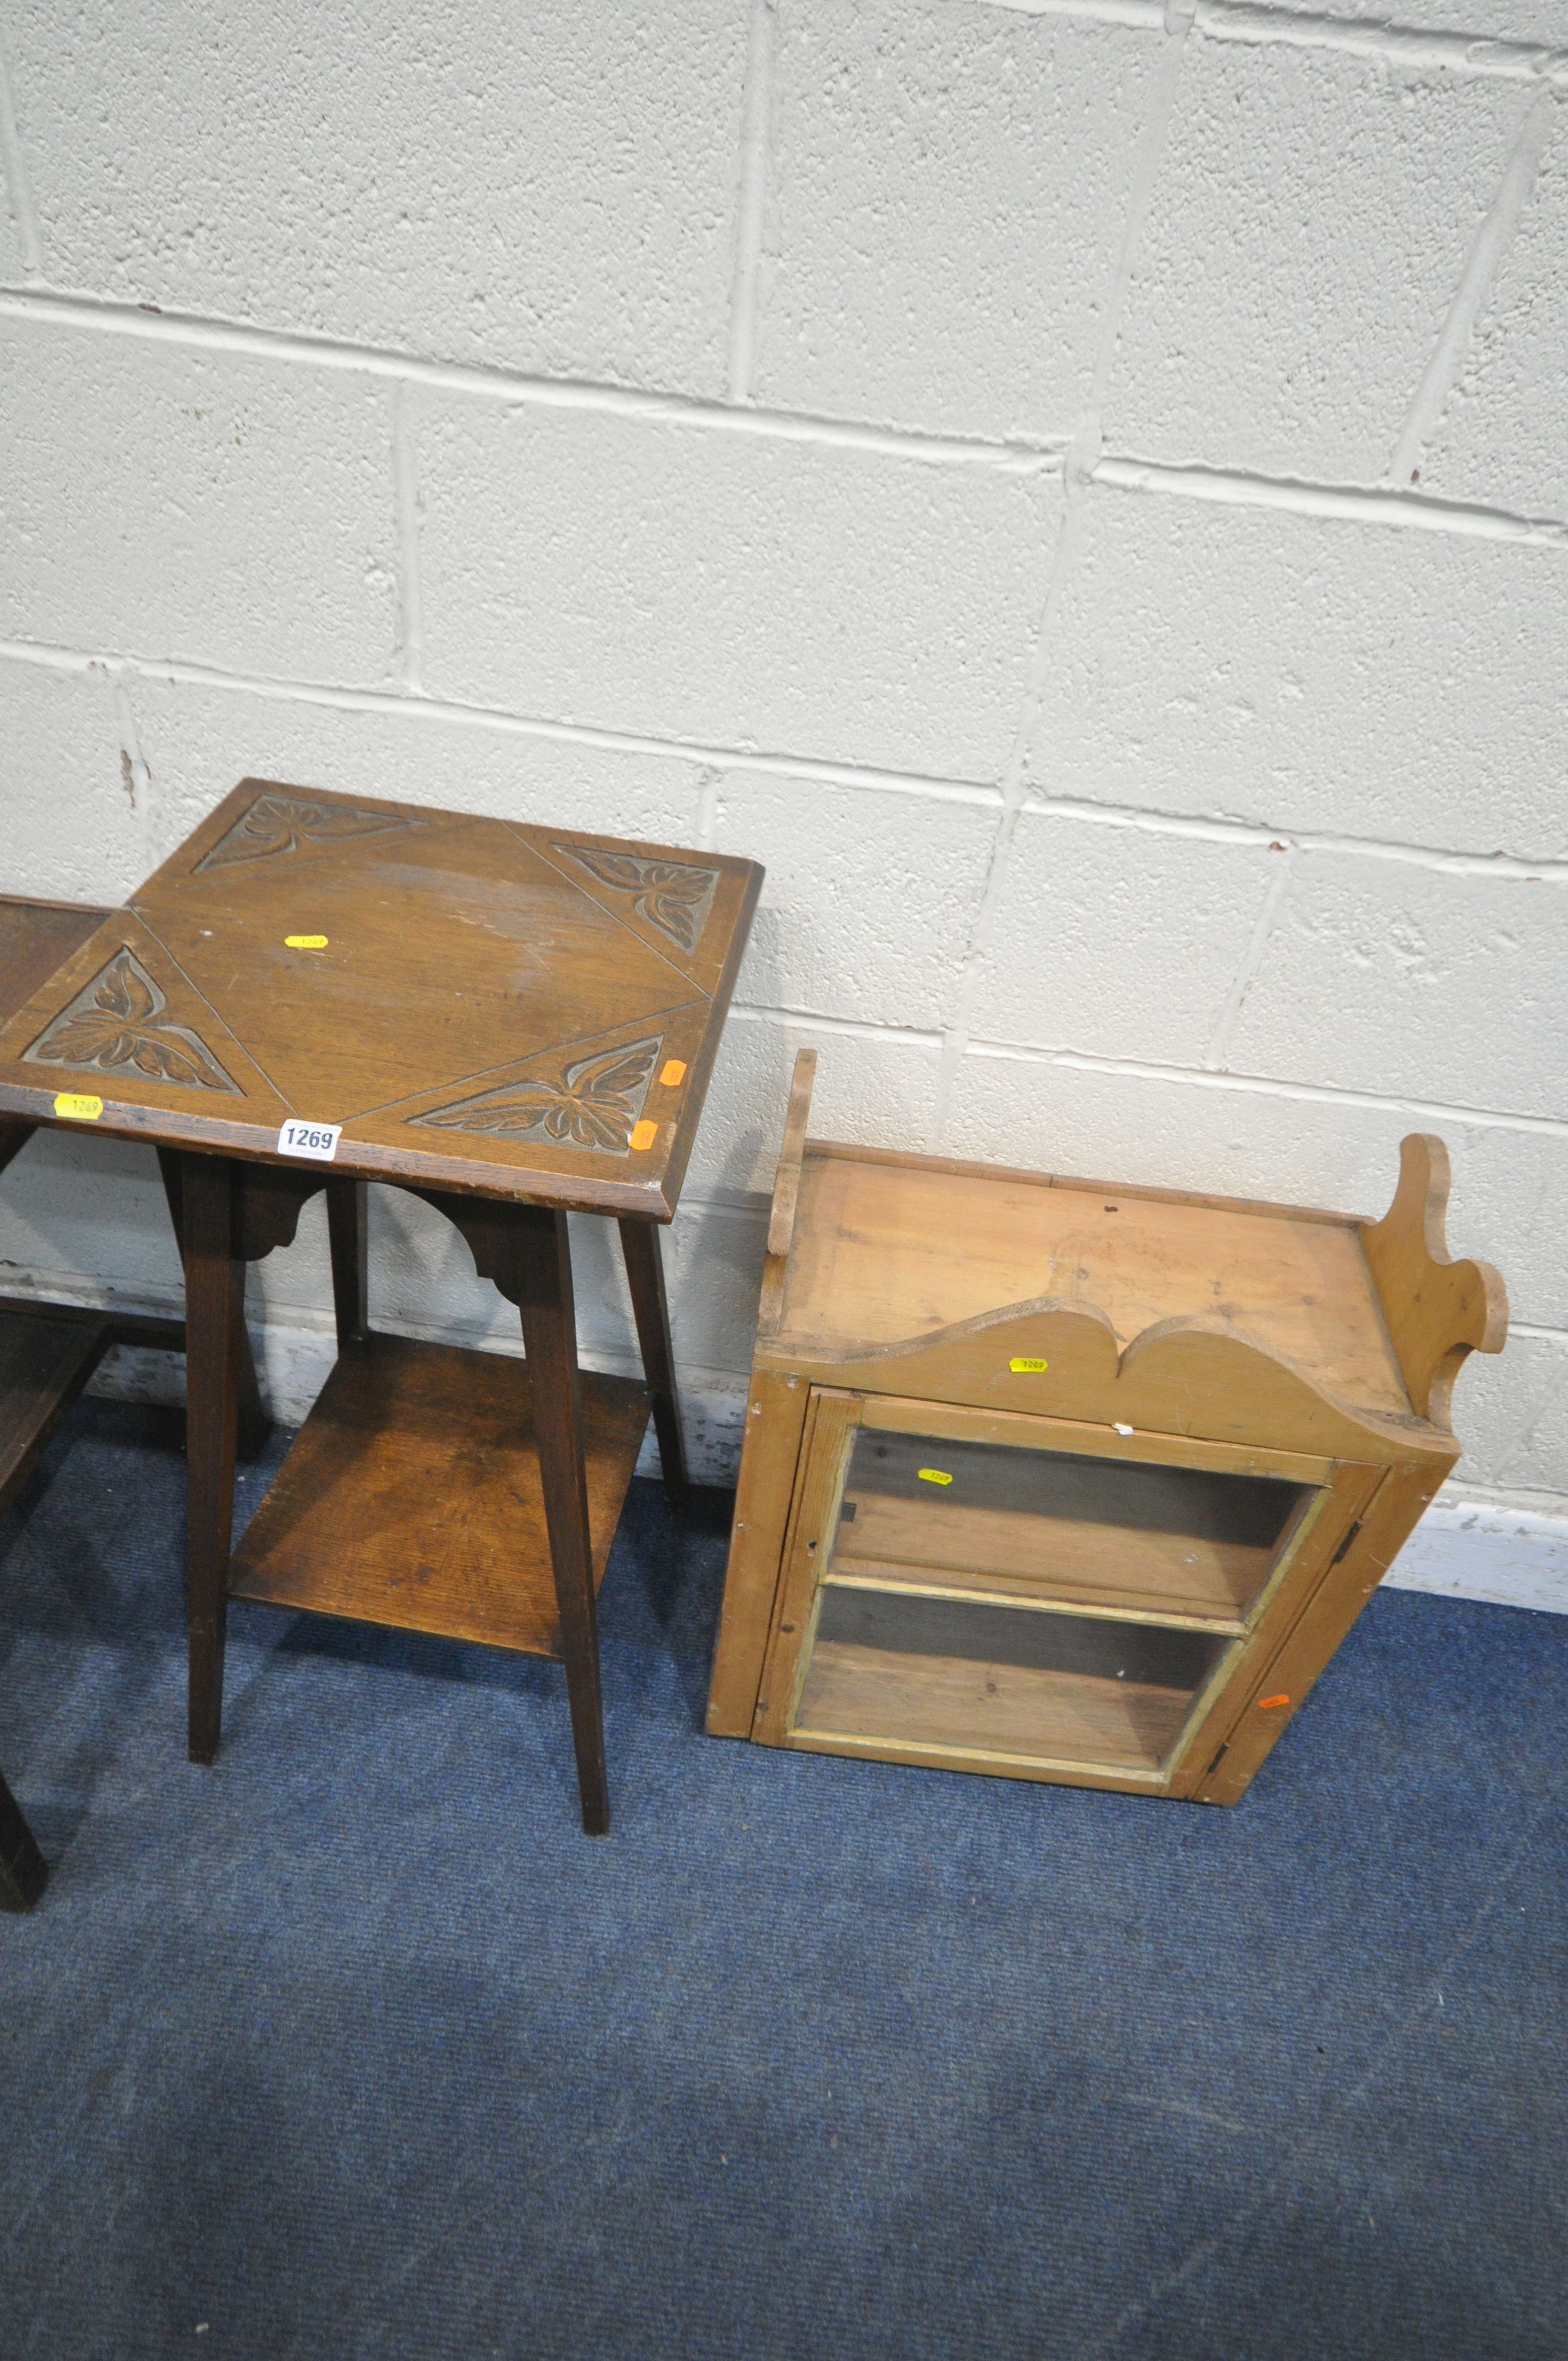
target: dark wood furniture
1065 1480
24 1873
50 1351
47 1350
514 1022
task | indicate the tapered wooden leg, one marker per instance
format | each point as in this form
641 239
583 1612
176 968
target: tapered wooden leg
550 1341
650 1305
214 1334
15 1134
255 1426
24 1873
346 1230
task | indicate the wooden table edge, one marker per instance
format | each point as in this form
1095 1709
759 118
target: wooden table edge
258 1144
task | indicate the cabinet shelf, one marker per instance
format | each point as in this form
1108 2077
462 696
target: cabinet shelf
980 1710
972 1673
916 1582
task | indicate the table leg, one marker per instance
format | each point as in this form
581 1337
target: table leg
15 1134
550 1341
345 1231
24 1873
650 1305
214 1333
255 1426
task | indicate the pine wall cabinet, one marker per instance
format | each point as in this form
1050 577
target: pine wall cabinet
1070 1481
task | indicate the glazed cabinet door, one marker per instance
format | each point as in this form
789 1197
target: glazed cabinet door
1030 1596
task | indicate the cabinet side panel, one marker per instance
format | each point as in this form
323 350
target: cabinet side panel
776 1414
1333 1606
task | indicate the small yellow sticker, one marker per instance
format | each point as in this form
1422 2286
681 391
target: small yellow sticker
304 942
644 1134
1026 1366
932 1476
78 1106
674 1072
1267 1705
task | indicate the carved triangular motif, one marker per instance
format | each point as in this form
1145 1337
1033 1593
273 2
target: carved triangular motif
118 1024
592 1102
275 824
672 896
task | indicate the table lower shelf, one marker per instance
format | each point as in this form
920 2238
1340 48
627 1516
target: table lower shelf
48 1353
411 1496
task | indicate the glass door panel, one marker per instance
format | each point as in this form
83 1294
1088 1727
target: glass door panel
1000 1679
1121 1535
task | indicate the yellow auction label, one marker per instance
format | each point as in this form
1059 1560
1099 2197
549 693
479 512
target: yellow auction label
1023 1366
78 1106
674 1071
932 1476
304 942
644 1134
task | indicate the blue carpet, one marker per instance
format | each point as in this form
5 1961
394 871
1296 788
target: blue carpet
354 2046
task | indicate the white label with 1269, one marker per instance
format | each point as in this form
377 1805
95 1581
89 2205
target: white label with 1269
317 1139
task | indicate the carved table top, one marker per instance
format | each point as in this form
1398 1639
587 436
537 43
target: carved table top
523 1011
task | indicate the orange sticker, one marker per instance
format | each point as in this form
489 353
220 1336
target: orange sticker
1263 1704
673 1073
644 1134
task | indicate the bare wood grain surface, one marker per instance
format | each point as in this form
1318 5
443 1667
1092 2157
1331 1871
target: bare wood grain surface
1095 1562
44 1365
1438 1310
1002 1709
776 1415
412 1495
787 1183
37 937
888 1254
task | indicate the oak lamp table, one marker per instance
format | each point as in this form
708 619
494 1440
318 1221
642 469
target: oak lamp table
1066 1480
512 1022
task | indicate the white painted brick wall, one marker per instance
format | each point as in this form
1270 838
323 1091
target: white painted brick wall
543 187
413 751
1307 228
1505 433
1094 935
1333 674
1371 978
1475 23
1002 147
61 748
749 590
168 500
1078 488
869 899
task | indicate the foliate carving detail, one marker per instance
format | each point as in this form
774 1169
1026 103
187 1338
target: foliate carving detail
594 1104
279 823
673 896
115 1024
